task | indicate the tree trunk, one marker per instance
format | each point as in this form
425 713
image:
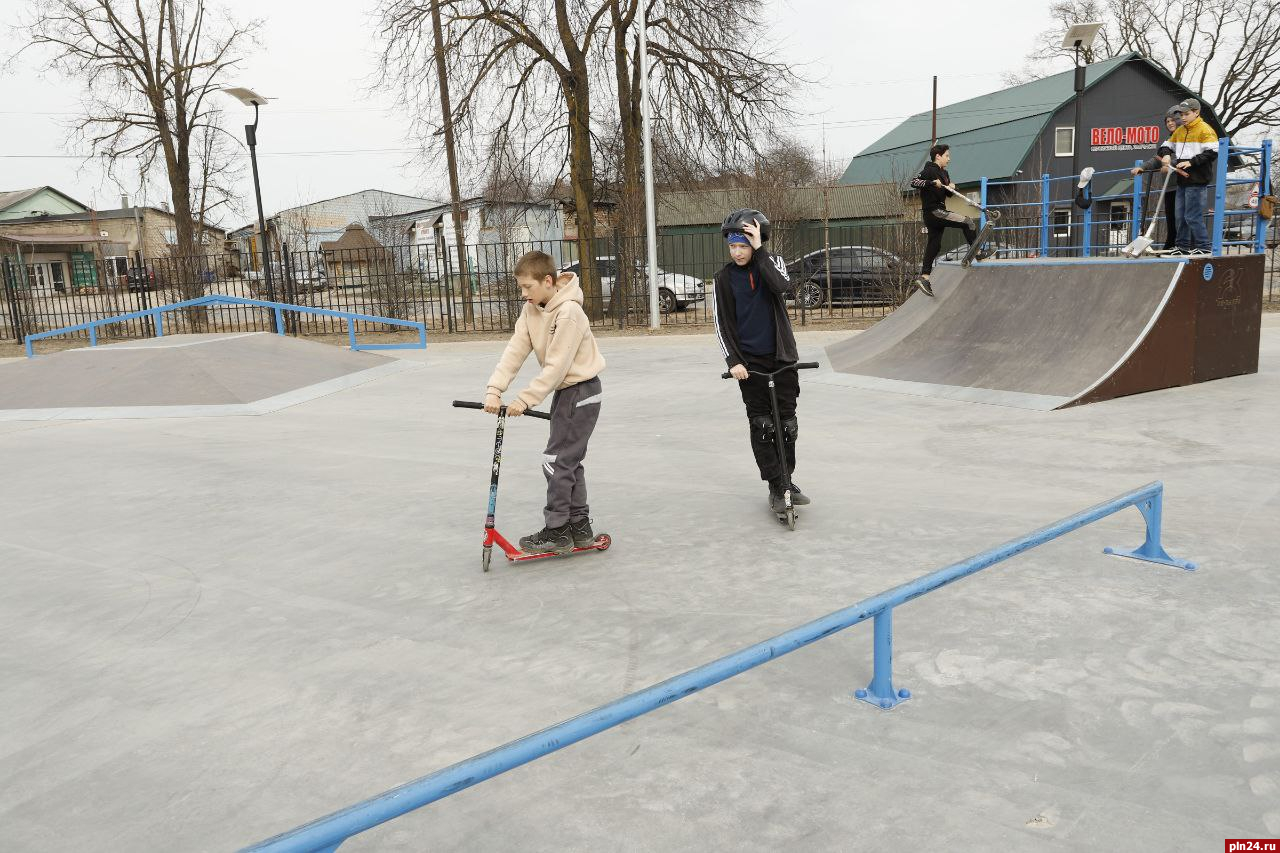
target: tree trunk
455 197
582 177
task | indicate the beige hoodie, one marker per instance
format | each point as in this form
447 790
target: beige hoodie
560 336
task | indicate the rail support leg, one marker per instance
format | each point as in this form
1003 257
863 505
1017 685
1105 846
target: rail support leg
1151 550
880 691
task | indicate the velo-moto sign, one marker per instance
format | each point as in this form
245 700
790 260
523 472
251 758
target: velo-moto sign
1123 138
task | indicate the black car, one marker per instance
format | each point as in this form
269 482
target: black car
858 274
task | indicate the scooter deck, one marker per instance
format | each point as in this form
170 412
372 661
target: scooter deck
992 218
600 543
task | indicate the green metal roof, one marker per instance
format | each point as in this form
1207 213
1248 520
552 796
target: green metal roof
991 134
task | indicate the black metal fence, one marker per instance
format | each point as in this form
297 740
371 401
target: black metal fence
840 273
869 272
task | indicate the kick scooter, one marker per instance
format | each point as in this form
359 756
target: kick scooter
491 535
788 514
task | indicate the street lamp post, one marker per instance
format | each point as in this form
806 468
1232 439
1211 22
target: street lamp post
1079 37
253 99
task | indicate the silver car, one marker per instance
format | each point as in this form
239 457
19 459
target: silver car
676 291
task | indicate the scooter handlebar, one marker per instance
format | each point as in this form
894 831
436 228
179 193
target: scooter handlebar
530 413
802 365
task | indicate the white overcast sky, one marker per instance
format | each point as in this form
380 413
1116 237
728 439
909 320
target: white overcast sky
872 61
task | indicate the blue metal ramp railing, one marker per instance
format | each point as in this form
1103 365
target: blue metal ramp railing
1035 233
157 316
327 833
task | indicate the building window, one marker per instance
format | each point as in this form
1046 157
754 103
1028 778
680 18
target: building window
1061 223
1064 141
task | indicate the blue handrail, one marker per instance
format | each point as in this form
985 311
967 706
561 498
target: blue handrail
327 833
157 315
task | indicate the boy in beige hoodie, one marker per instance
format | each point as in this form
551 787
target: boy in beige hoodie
553 326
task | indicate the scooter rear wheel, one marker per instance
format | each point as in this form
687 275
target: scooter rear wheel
791 518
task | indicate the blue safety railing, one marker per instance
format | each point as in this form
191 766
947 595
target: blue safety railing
327 833
157 316
1027 227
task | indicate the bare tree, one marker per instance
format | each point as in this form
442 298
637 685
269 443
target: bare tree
510 62
520 66
149 68
1222 49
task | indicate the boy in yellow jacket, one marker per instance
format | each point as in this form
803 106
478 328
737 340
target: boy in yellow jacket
553 326
1195 155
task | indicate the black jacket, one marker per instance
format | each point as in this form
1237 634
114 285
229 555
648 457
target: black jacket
772 270
931 197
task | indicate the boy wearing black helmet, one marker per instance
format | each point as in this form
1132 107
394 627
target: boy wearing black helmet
754 333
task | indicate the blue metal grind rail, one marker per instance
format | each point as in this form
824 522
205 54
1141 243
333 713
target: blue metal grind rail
1039 236
327 833
157 316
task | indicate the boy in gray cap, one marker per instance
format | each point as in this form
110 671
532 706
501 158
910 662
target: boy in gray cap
1195 152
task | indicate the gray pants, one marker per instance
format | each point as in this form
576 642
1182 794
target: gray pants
574 411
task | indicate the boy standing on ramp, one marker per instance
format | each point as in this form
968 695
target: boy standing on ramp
553 326
933 183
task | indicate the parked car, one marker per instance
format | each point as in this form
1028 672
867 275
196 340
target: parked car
858 274
305 278
676 291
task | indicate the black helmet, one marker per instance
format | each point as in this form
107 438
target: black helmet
734 221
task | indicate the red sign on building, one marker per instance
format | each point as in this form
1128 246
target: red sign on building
1149 135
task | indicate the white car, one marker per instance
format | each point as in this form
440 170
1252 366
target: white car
676 291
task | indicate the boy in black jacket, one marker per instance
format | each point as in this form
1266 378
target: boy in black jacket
754 332
932 182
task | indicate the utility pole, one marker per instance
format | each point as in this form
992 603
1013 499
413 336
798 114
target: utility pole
650 211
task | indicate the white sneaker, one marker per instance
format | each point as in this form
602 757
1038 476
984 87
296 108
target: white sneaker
1199 252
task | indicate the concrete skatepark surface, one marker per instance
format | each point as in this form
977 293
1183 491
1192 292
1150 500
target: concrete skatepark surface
215 629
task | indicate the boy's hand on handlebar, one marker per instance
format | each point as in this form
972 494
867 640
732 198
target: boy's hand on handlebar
516 408
492 402
738 372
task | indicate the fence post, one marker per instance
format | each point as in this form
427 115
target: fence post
1135 226
880 691
1044 216
1220 194
1087 225
446 291
9 279
982 202
1264 188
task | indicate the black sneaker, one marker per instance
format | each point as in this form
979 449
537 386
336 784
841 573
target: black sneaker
1198 253
548 540
923 284
777 502
798 498
581 531
1176 252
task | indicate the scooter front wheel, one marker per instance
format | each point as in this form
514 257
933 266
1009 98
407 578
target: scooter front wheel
791 518
484 560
